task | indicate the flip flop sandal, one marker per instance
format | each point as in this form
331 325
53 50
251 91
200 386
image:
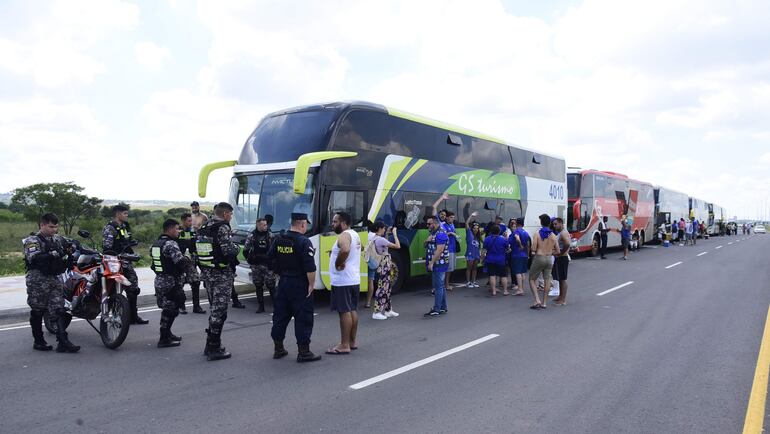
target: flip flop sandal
336 351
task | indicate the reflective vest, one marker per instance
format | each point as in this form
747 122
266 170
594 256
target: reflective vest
186 240
122 240
209 251
163 264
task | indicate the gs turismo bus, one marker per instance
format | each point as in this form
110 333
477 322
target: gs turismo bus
376 162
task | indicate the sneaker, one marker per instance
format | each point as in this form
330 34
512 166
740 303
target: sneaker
442 311
431 313
391 313
378 315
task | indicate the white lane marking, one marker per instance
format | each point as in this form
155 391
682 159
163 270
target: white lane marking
673 265
717 247
701 254
630 282
419 363
730 243
737 241
154 309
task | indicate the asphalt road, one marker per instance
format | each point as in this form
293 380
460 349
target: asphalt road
674 351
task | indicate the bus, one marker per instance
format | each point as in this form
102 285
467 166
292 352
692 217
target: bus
379 163
593 194
670 207
700 211
717 220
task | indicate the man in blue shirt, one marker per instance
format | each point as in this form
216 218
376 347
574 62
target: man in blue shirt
520 247
449 227
436 262
495 250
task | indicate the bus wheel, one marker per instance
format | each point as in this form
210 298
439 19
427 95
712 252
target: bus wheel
595 246
399 272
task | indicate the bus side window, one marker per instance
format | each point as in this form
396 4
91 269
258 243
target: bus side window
351 202
464 210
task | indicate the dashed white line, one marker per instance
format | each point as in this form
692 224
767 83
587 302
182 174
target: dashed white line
419 363
673 265
630 282
717 247
701 254
730 243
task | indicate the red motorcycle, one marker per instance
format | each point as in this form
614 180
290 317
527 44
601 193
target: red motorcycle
93 286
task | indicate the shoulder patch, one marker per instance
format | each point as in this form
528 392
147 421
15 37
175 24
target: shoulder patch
311 250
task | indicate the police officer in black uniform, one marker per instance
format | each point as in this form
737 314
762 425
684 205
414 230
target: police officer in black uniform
293 255
117 239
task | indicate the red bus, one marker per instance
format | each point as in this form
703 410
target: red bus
593 194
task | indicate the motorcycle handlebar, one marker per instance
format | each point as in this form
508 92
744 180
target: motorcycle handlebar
130 257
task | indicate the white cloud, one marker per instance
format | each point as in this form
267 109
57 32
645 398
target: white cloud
54 49
150 55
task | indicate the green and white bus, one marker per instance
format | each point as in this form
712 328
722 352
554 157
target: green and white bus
375 162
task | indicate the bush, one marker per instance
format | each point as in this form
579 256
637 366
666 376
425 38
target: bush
7 216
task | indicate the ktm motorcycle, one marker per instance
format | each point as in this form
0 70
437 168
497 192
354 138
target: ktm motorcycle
93 286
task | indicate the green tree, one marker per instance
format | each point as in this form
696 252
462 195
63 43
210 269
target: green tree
63 199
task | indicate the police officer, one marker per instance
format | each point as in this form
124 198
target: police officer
169 265
117 239
186 241
45 258
218 256
293 254
255 249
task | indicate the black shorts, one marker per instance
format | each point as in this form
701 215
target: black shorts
497 270
345 298
560 267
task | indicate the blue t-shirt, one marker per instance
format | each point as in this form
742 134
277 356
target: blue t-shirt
517 252
496 247
449 227
473 251
442 264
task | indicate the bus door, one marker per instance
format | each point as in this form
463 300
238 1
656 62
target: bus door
354 203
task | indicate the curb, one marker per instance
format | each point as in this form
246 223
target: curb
21 314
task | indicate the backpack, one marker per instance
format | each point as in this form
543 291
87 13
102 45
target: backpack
371 256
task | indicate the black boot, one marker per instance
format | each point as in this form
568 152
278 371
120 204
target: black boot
171 335
36 322
166 339
260 300
65 346
237 303
196 296
135 318
280 351
214 348
305 355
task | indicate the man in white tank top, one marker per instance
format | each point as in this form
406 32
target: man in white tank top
345 276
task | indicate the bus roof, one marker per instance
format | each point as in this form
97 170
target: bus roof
606 173
347 105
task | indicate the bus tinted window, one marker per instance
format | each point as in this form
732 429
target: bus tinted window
530 163
573 185
286 137
492 156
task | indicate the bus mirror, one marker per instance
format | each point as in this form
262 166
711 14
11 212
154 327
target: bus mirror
203 176
306 160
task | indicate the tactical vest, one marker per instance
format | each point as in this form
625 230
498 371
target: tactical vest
162 264
288 257
53 266
259 247
122 240
186 240
208 247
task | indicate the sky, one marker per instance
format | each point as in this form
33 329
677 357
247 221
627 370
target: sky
130 98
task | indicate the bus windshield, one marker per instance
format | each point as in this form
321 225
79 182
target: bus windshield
286 137
261 195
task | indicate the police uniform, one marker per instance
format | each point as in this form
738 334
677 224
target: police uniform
256 249
45 258
217 257
293 256
169 265
117 239
186 243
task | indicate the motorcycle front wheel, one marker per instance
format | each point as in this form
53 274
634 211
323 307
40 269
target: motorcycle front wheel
114 325
49 326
